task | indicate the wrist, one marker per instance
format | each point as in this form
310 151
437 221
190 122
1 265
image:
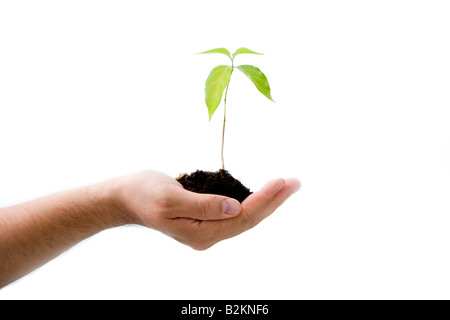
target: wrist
108 202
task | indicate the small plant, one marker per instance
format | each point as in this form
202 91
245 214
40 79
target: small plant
222 182
219 80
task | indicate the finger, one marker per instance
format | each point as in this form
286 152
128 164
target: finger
291 186
256 212
204 206
254 209
259 201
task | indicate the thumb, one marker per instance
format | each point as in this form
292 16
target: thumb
208 206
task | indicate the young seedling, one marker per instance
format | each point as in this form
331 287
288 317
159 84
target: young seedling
219 80
222 182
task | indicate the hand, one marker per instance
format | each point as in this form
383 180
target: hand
37 231
157 201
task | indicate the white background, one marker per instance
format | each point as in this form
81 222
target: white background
95 89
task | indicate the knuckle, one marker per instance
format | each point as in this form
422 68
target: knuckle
201 245
249 221
197 238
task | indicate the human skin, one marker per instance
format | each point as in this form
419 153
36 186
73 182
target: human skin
37 231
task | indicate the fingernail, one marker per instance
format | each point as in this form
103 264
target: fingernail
231 206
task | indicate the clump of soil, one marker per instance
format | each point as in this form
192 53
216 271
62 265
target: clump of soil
219 182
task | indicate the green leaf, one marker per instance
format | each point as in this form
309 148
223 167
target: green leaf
218 50
258 78
214 87
244 50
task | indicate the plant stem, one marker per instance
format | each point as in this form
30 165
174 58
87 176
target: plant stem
225 115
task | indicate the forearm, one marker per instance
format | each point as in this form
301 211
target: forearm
35 232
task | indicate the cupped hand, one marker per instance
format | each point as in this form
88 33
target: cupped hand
157 201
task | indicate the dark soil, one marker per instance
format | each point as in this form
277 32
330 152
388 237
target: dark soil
219 182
